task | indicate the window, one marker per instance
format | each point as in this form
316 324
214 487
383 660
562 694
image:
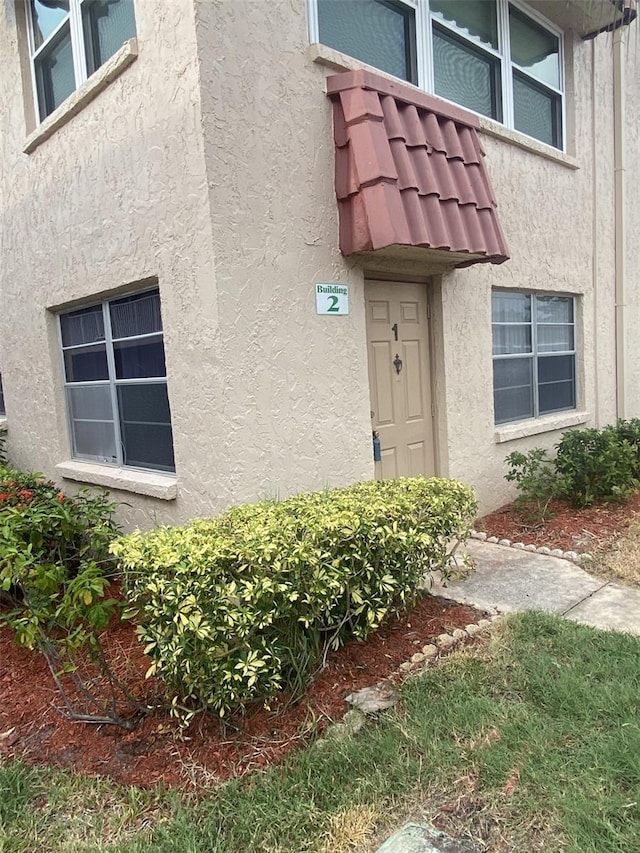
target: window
490 56
115 382
534 355
69 40
3 411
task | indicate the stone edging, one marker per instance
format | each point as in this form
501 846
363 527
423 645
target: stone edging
572 556
383 695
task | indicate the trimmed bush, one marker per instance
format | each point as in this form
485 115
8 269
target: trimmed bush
237 608
597 465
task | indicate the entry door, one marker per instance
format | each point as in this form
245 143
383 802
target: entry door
400 378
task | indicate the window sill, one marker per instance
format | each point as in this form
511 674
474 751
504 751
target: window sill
334 59
162 486
535 426
83 95
527 143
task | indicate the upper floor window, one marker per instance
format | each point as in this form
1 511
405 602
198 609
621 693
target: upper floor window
69 40
116 385
534 355
494 57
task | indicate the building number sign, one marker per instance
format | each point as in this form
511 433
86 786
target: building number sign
332 298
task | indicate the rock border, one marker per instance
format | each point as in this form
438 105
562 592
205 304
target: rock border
572 556
370 700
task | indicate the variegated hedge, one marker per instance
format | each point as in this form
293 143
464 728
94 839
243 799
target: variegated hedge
237 608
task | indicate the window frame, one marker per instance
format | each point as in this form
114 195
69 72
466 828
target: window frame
112 382
425 21
3 405
78 50
535 354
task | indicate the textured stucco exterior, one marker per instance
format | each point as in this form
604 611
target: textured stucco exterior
207 165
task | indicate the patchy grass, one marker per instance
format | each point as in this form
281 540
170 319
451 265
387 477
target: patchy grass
531 742
620 559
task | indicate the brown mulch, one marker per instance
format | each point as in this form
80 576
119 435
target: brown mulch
568 528
33 728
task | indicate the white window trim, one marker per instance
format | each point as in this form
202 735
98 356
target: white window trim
112 383
535 355
424 58
76 31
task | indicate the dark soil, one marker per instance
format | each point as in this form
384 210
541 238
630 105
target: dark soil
568 528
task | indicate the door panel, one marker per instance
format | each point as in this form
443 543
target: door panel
397 326
417 459
388 464
382 392
412 364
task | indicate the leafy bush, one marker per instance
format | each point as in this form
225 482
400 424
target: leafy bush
236 608
630 431
55 569
597 465
537 481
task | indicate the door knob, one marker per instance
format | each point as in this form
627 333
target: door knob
397 363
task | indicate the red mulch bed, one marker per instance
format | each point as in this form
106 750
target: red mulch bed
33 728
568 528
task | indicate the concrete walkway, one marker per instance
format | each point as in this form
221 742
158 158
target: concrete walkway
508 579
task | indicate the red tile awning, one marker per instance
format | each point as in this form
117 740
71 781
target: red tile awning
410 172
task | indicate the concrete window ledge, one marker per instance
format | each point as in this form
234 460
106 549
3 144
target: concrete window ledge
84 94
162 486
535 426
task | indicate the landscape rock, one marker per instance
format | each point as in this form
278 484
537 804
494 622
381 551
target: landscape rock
544 550
557 552
481 536
530 548
493 539
519 545
473 630
445 641
418 658
459 634
483 623
430 651
506 542
421 838
370 700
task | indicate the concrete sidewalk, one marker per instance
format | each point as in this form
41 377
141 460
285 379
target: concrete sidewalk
508 579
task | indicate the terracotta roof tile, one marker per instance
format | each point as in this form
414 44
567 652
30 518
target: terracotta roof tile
410 172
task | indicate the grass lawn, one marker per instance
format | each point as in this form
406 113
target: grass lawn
531 742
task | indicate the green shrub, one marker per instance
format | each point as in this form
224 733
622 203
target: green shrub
537 480
237 608
596 465
55 570
630 431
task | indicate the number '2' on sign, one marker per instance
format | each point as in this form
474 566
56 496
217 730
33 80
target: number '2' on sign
332 298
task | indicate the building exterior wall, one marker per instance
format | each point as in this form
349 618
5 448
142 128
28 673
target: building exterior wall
116 196
208 165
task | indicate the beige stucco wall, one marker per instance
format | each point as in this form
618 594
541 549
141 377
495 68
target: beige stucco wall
209 165
115 196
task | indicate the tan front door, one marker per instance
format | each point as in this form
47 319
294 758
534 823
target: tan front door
400 377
